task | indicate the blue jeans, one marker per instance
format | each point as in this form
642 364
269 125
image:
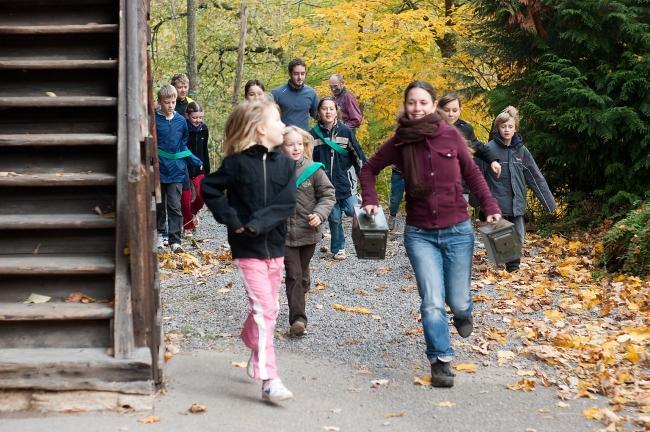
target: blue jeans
346 206
396 192
442 262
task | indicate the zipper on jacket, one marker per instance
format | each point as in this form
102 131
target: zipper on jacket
266 235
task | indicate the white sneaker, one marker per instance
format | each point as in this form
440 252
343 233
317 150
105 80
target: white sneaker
177 248
188 233
160 243
195 221
165 241
249 367
340 255
274 391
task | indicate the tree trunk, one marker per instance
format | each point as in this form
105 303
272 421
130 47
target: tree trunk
239 70
447 43
192 70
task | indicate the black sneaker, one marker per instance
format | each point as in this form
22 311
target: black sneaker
441 374
464 326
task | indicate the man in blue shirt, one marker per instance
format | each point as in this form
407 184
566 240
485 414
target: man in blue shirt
296 99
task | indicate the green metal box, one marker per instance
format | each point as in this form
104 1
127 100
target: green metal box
501 242
369 234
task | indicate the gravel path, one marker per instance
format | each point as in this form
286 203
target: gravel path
208 311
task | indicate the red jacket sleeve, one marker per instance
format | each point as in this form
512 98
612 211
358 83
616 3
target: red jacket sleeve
385 156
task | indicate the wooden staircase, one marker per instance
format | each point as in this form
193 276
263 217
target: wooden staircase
63 206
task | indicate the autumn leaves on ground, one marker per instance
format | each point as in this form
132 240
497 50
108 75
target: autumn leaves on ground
588 330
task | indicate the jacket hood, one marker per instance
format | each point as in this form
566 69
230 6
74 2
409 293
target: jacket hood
516 142
257 150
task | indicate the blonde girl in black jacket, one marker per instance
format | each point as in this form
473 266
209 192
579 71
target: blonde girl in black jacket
253 194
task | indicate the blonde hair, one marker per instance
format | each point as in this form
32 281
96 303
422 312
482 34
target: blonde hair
508 113
307 139
241 126
167 91
180 77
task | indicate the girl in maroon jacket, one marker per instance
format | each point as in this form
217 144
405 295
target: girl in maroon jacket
438 236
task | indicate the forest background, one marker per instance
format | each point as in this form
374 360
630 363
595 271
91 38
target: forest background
578 70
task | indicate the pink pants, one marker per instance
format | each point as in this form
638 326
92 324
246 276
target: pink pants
188 207
262 279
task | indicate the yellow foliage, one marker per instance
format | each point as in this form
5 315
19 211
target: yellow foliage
379 51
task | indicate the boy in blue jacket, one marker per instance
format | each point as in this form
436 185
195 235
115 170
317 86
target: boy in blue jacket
173 156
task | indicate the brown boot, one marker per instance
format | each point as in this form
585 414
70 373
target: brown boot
297 329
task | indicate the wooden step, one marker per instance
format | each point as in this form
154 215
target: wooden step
75 369
58 64
54 311
58 29
55 221
18 140
58 101
55 265
56 179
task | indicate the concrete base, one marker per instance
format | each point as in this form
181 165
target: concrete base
72 401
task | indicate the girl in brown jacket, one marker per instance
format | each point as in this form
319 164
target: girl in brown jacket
315 198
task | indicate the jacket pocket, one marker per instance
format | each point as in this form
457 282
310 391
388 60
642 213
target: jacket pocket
449 154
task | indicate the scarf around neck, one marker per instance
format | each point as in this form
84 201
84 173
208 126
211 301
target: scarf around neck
410 134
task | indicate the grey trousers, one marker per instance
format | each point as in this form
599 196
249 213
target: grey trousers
520 229
168 212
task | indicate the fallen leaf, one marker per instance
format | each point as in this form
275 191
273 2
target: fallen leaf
197 408
562 405
503 356
77 297
523 384
424 380
150 419
319 286
593 413
239 364
358 310
414 331
395 414
37 298
446 404
466 367
376 317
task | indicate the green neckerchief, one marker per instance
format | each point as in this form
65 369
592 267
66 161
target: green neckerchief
329 142
180 155
308 172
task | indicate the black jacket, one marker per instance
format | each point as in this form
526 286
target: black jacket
337 165
197 142
480 150
253 189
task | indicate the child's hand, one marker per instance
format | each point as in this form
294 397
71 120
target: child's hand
314 220
496 168
494 218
